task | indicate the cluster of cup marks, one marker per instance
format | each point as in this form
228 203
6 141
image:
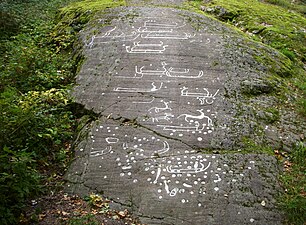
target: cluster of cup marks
184 173
181 173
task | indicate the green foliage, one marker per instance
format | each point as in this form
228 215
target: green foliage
37 122
37 117
294 180
18 181
288 53
30 64
35 128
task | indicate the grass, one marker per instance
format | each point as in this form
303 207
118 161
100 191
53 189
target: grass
293 201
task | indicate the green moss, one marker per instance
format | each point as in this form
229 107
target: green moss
297 5
248 146
271 115
280 66
251 147
273 23
275 26
75 16
93 5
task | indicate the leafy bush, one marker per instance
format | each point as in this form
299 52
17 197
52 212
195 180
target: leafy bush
32 64
18 181
36 122
34 129
38 119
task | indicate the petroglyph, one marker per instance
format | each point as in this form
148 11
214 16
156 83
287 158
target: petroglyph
144 102
135 148
196 168
178 172
111 140
165 116
160 109
153 89
169 72
153 23
200 117
147 47
95 153
151 29
152 35
203 97
153 141
182 73
197 127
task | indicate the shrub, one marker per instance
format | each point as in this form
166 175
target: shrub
18 181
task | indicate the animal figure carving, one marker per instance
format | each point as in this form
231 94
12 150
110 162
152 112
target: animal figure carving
166 116
199 117
160 109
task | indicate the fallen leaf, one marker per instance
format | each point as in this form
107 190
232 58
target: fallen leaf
41 216
65 213
123 214
116 217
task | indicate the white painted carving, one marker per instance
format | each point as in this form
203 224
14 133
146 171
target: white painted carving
201 116
160 109
154 154
146 48
111 140
105 151
182 73
145 102
153 89
204 97
166 116
144 29
140 72
155 23
157 175
187 185
90 44
173 192
164 35
171 72
196 127
113 35
197 168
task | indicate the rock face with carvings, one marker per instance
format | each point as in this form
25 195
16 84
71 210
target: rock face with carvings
167 146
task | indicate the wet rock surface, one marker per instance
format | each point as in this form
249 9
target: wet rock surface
169 86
